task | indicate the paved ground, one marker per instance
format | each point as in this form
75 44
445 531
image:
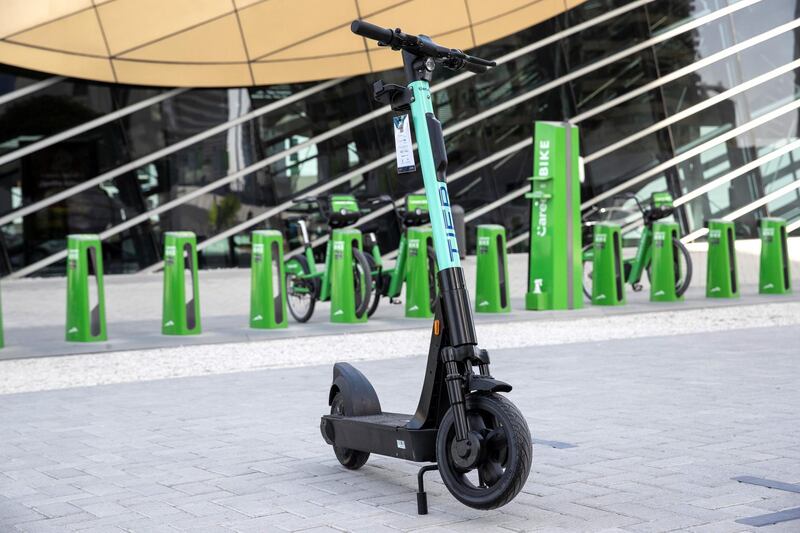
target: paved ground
660 426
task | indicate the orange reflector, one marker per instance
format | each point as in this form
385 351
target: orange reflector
436 328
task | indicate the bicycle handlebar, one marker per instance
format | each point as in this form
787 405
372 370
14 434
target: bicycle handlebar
421 45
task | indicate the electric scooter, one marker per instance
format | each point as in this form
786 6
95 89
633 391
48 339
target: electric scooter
478 439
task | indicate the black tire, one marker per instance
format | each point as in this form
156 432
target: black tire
350 459
433 278
587 272
301 304
362 273
682 283
508 461
377 290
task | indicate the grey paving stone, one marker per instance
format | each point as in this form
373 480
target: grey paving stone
661 424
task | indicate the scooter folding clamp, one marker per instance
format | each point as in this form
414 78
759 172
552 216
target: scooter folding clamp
397 96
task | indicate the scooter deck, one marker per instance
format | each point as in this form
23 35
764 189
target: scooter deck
384 434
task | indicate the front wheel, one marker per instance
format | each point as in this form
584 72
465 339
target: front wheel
301 290
377 284
505 458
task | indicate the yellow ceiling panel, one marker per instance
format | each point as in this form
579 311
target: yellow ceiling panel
272 26
21 15
78 34
532 14
266 73
481 10
321 46
215 41
199 42
183 75
244 3
76 66
132 23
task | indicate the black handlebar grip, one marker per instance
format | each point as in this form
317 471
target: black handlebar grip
476 69
371 31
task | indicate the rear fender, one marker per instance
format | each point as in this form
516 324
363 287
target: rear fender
360 398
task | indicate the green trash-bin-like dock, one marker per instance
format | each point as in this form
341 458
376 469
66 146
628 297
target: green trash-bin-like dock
267 281
181 310
491 279
86 308
722 279
774 271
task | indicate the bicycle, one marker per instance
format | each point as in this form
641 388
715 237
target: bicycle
633 267
305 282
388 282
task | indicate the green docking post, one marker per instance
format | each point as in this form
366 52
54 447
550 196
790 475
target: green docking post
774 270
181 311
665 265
722 280
267 281
491 284
608 281
418 277
86 306
343 283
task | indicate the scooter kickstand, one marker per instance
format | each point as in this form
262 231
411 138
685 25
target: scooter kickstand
422 498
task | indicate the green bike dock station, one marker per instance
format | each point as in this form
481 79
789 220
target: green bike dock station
86 308
774 272
492 293
420 284
344 285
554 259
181 306
722 276
608 283
665 267
267 281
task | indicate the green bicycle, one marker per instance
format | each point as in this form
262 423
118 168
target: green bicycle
305 282
660 207
388 282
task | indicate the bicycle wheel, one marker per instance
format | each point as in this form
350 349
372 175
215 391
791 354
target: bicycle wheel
301 293
377 280
362 281
682 262
588 267
685 266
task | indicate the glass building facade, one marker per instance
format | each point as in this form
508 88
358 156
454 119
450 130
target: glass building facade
696 97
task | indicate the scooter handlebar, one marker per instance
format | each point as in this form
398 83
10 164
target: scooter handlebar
371 31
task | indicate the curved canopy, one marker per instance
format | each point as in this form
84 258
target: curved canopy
235 43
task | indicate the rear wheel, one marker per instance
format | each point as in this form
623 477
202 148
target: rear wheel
351 459
301 292
362 282
505 458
